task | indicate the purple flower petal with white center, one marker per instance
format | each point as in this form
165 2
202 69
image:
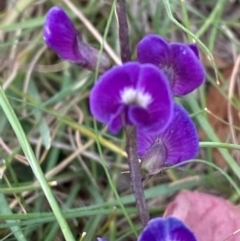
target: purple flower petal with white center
133 94
61 36
177 143
166 229
180 62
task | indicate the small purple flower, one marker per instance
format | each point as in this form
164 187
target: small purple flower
177 143
61 36
133 94
180 62
165 229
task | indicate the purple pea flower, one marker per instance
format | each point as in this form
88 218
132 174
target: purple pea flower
180 62
165 229
133 94
177 143
61 36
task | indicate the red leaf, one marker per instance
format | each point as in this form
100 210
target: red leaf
211 218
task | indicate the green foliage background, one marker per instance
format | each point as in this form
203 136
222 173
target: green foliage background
45 119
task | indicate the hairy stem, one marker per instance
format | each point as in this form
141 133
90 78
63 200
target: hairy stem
135 174
123 31
131 147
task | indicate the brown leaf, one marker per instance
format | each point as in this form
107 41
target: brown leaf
211 218
218 105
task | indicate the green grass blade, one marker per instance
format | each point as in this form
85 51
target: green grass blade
213 137
4 209
12 118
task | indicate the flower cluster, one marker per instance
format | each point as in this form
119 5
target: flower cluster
141 94
165 229
138 93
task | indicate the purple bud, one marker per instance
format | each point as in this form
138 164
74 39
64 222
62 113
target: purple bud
61 36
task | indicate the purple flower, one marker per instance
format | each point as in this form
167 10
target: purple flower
61 36
165 229
180 62
132 94
177 143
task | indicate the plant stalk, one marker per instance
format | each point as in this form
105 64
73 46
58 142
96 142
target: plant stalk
123 31
131 147
136 175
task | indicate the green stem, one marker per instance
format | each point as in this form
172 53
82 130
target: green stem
136 175
131 147
217 144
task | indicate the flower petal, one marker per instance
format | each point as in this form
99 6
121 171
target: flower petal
194 48
60 35
161 229
189 73
156 117
133 94
144 142
116 121
153 49
105 100
178 143
180 62
181 137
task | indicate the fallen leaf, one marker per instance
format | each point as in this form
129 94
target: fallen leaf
211 218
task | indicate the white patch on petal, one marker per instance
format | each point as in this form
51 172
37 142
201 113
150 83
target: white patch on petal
133 96
128 95
48 30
